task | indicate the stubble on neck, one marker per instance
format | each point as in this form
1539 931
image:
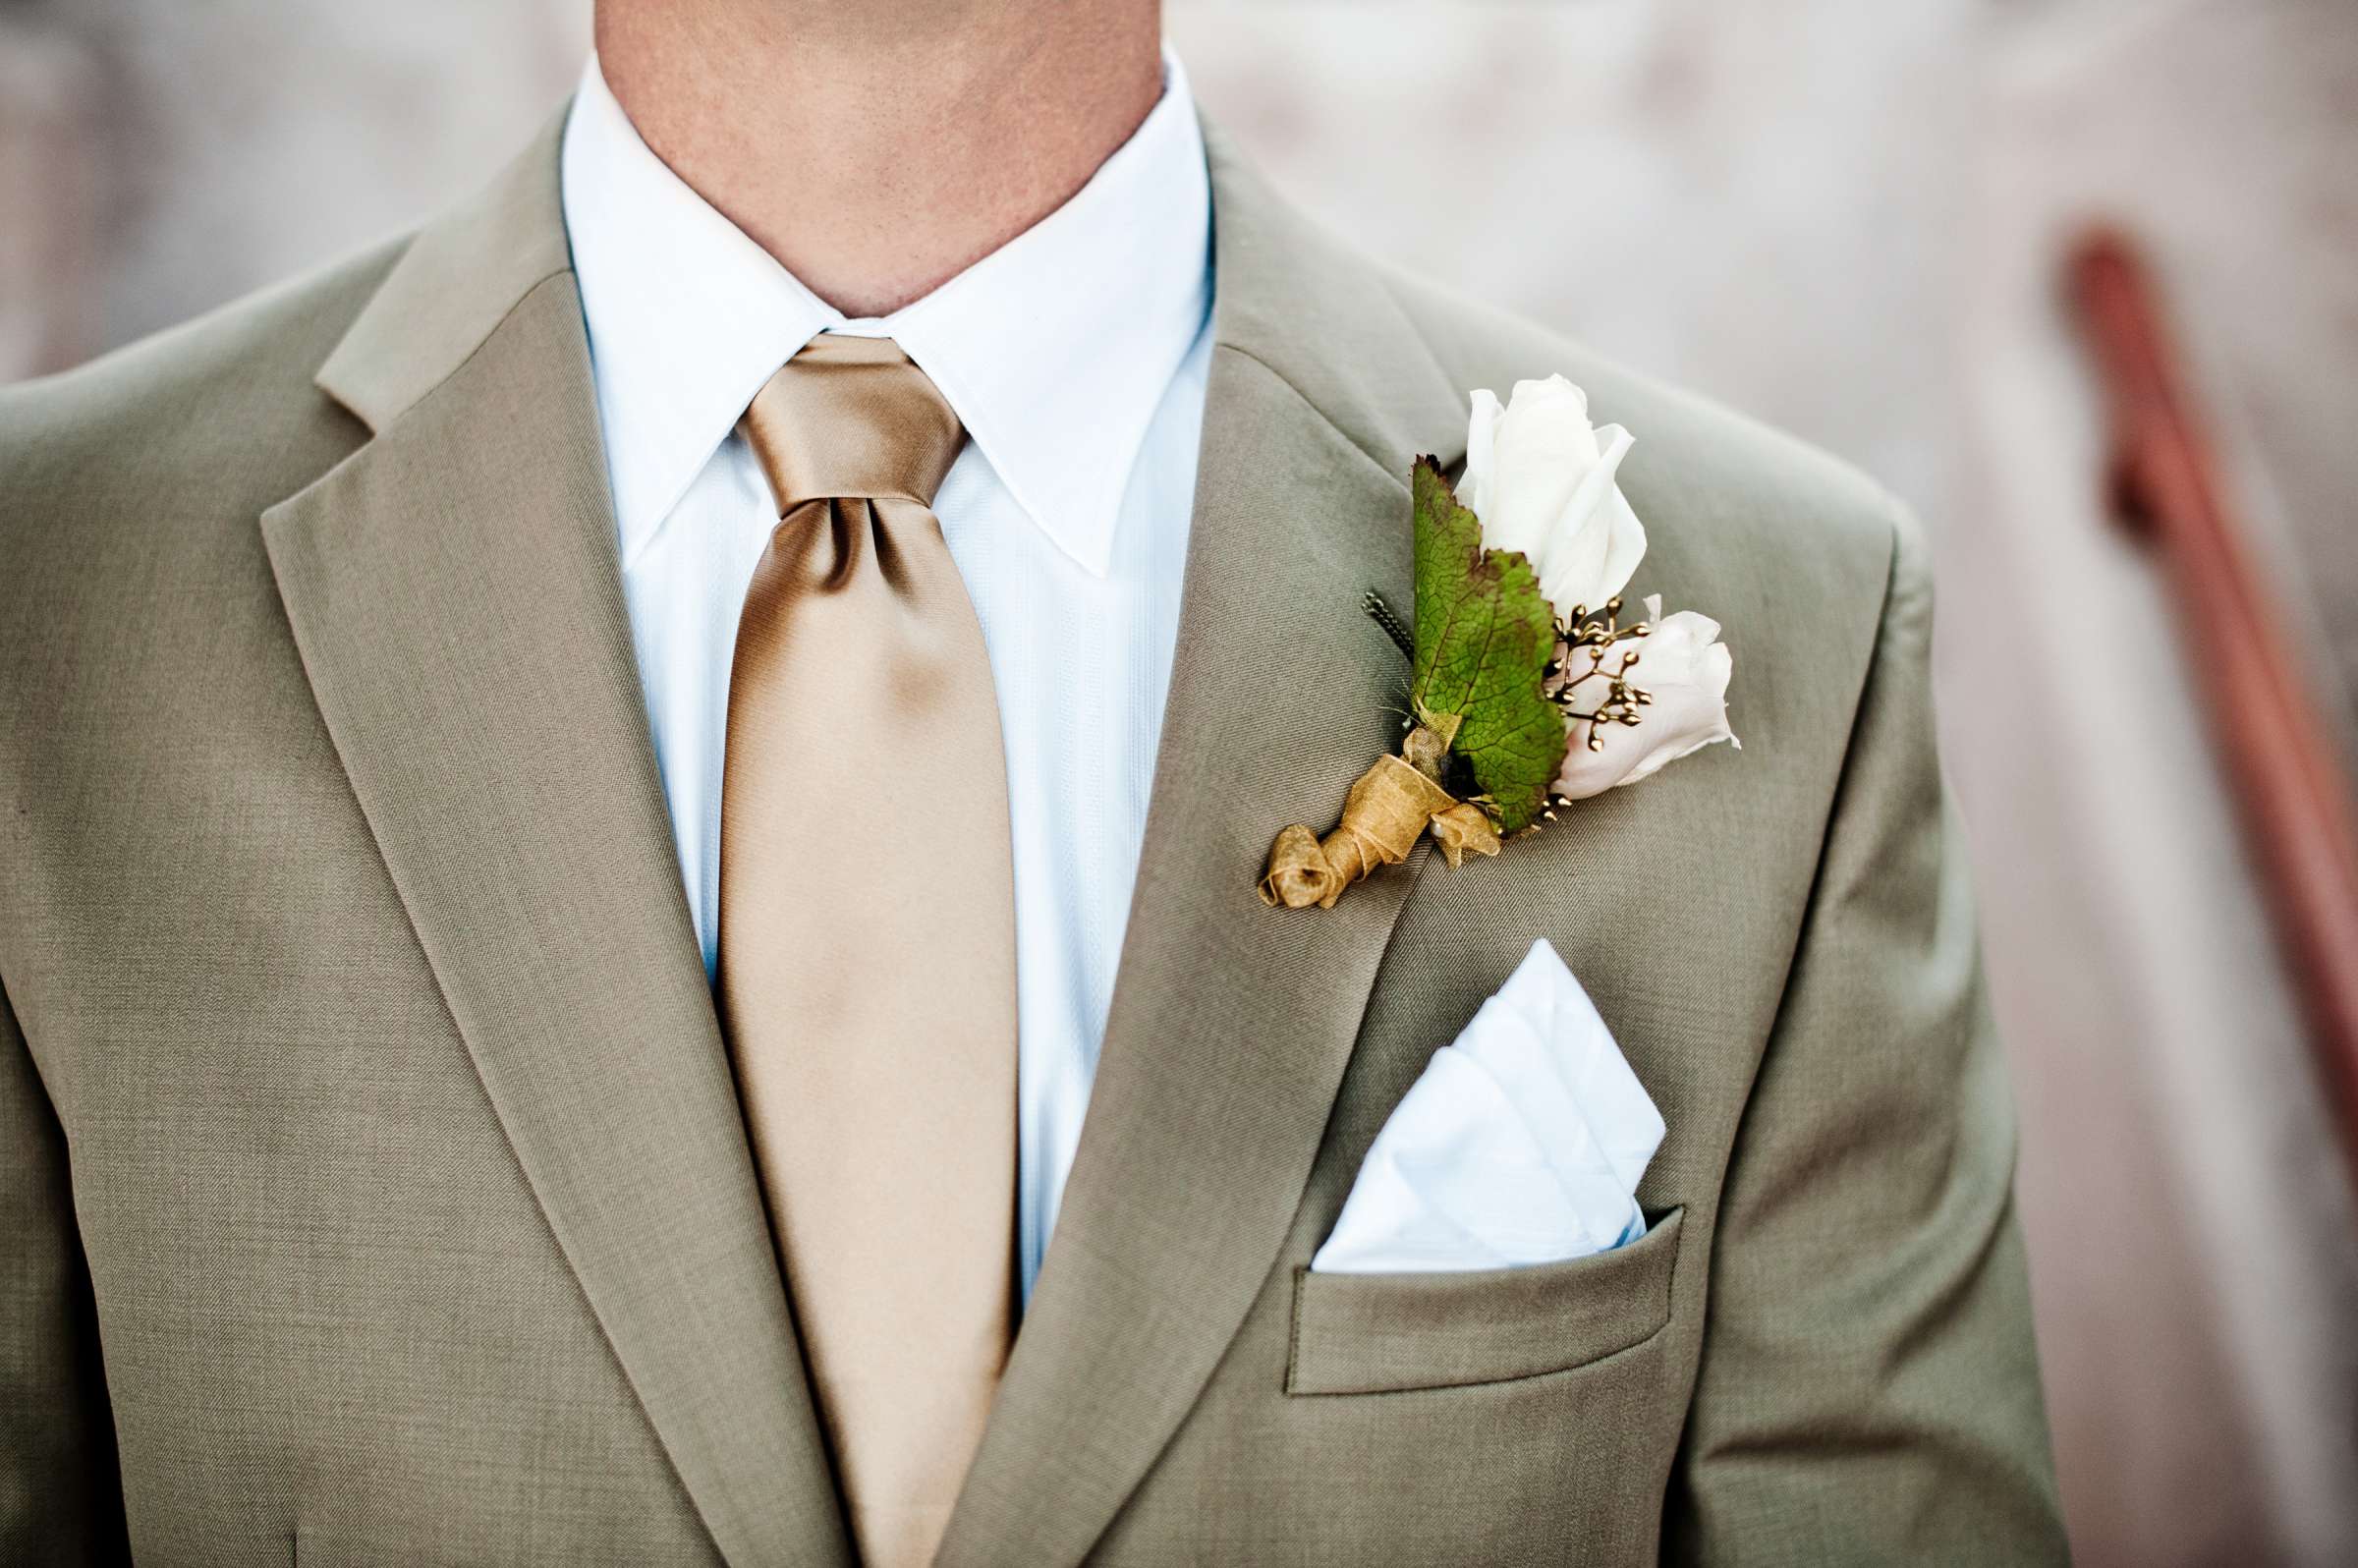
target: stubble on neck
880 147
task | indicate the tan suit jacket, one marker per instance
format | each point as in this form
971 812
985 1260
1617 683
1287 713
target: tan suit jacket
375 1187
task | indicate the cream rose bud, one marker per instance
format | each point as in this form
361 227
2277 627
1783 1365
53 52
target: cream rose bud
1542 480
1684 667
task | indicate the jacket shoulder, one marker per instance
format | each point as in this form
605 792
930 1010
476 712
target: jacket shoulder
131 492
1804 562
223 405
1693 457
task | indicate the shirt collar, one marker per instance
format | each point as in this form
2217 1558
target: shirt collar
1055 350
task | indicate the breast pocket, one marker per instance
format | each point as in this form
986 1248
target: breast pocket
1386 1333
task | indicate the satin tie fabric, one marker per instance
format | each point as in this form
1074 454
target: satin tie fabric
867 973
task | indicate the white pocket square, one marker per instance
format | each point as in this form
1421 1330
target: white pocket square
1522 1143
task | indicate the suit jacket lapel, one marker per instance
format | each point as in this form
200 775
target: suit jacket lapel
1231 1024
454 590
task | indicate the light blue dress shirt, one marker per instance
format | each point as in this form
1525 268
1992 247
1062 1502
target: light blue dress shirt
1075 356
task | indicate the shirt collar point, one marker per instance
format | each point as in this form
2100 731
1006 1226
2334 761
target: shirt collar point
1076 513
658 352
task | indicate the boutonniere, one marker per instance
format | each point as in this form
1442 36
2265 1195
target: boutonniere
1526 691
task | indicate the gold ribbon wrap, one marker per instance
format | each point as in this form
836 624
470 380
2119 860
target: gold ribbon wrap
1463 829
1390 806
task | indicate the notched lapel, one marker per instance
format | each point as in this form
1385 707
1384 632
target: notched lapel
454 592
1231 1023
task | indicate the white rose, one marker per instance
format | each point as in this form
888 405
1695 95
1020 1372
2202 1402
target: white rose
1684 667
1541 478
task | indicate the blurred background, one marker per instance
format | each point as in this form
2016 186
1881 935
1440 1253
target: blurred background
1849 217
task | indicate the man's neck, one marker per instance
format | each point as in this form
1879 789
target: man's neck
880 147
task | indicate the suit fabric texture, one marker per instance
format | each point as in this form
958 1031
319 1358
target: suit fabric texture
375 1187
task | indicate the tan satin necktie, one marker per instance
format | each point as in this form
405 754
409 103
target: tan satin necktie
868 934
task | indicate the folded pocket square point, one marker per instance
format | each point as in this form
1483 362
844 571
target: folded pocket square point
1522 1143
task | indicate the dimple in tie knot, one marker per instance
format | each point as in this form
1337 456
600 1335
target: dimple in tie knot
853 416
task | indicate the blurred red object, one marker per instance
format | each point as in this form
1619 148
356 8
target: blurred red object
2294 801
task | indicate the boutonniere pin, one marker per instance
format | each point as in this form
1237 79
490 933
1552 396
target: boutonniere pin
1526 691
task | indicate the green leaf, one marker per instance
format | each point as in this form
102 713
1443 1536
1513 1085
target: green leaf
1485 633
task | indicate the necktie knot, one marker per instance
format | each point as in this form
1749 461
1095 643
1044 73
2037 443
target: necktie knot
852 416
